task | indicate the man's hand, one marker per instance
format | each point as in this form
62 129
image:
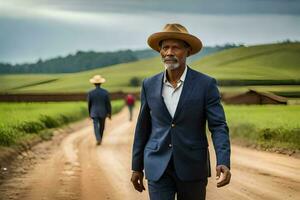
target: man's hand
223 175
109 116
137 181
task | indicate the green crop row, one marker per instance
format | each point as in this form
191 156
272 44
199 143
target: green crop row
24 120
269 126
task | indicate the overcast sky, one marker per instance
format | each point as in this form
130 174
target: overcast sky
33 29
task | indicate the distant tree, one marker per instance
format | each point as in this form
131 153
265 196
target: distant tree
40 61
135 82
80 61
287 41
230 45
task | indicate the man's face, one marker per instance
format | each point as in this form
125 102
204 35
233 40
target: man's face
173 53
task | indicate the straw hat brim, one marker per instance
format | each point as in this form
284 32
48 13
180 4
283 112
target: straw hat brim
193 41
93 81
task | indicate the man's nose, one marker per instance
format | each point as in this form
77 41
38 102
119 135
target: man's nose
170 52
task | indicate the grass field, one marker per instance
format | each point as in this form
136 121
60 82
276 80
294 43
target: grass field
24 120
10 83
117 76
264 62
268 126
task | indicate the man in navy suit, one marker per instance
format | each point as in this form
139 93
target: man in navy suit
99 106
170 142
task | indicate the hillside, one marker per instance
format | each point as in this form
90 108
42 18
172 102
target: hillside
117 77
263 62
80 61
274 62
83 61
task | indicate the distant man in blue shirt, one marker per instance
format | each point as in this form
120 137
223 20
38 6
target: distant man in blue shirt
99 106
170 142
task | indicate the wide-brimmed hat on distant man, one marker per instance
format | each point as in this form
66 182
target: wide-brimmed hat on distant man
97 79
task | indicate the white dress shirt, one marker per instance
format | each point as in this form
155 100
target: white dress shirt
170 94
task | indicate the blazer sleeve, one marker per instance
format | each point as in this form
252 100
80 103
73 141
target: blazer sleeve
217 124
89 103
142 132
108 104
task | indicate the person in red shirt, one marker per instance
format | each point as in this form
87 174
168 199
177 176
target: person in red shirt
130 100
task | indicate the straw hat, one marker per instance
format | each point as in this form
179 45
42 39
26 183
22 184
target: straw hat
97 79
175 31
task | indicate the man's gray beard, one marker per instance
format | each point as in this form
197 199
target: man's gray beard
171 66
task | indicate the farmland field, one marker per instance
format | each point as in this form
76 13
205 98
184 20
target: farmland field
265 125
274 62
117 77
263 62
22 120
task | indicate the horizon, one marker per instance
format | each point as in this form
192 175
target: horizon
119 50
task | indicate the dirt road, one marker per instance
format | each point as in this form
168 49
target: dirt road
73 167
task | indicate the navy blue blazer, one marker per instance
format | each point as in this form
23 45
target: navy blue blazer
98 103
158 136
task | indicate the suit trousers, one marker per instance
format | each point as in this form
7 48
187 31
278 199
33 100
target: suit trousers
99 124
169 186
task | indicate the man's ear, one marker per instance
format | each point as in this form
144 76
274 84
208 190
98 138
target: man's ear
189 50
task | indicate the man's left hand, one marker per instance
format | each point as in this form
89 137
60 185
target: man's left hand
223 175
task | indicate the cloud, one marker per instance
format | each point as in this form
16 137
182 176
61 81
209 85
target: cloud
32 29
43 7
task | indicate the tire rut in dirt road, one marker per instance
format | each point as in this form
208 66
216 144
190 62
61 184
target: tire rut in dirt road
58 177
78 169
112 160
49 176
258 175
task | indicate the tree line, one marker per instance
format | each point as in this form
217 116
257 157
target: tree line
82 61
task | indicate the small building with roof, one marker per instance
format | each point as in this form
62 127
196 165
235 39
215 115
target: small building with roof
255 97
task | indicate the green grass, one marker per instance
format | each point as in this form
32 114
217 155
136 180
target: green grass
20 121
268 126
117 76
13 82
264 62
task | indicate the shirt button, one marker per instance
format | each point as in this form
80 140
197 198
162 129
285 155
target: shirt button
170 145
173 125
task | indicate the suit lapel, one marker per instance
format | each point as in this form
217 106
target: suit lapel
158 93
187 89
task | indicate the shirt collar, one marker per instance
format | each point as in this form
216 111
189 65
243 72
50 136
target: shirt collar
182 78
